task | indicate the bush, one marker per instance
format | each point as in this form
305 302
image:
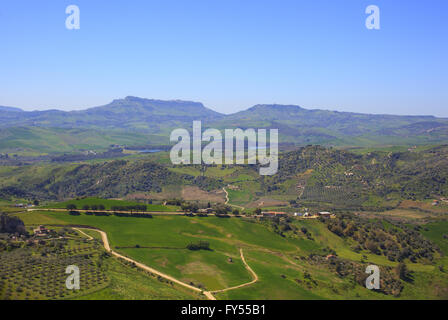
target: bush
201 245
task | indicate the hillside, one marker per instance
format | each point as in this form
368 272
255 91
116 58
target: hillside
291 258
311 176
131 113
109 179
157 118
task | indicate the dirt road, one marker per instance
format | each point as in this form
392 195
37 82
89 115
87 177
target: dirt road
208 294
227 200
254 276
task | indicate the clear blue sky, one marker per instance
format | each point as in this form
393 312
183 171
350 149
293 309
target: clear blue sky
228 54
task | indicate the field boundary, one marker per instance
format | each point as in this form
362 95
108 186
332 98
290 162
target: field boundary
103 234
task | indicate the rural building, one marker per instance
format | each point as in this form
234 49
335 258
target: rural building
273 214
206 210
325 214
41 231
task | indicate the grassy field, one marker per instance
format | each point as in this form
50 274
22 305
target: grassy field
282 263
436 232
129 283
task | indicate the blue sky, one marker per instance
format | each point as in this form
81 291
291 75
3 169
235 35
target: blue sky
227 54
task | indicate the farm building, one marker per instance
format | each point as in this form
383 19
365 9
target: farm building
273 214
206 210
41 231
325 214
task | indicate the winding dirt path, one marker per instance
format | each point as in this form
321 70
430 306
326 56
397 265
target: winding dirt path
254 276
208 294
227 200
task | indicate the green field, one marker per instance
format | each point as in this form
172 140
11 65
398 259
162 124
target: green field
282 263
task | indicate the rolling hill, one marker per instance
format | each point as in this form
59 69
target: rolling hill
115 122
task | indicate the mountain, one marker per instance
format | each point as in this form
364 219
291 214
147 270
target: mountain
130 113
303 126
157 118
10 109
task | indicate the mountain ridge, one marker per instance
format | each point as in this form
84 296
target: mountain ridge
131 99
296 125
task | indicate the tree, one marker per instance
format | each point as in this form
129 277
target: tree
94 207
372 246
257 211
10 224
85 207
236 212
71 206
402 271
36 202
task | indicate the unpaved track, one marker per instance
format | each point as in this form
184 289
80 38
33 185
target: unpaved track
254 276
208 294
82 232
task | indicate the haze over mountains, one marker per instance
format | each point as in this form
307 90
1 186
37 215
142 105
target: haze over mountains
157 118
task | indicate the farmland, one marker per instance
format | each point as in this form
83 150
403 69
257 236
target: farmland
285 261
388 212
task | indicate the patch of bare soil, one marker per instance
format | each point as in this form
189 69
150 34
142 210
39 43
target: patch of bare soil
194 193
267 202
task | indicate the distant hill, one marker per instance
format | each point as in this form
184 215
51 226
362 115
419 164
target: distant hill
129 113
296 125
303 126
313 175
10 109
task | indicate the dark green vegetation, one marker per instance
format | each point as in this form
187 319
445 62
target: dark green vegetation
33 269
134 122
108 204
36 270
394 240
10 224
107 179
373 181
